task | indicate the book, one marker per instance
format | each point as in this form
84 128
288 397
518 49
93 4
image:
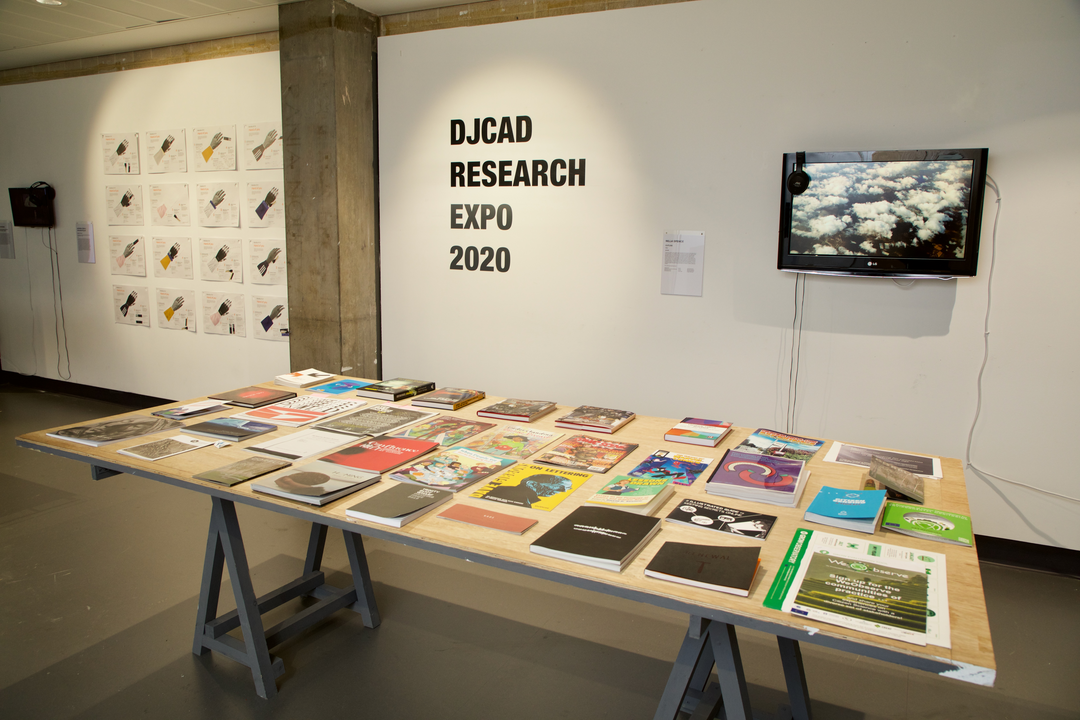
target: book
582 452
778 444
376 420
865 585
595 419
761 478
446 429
340 387
487 518
743 523
927 523
449 398
300 445
301 410
857 510
303 378
399 505
517 410
242 470
316 483
899 483
699 431
113 430
726 569
254 396
452 469
513 441
599 537
165 447
531 486
924 465
381 454
396 389
641 495
230 428
190 410
681 469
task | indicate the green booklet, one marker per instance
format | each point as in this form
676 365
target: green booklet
924 522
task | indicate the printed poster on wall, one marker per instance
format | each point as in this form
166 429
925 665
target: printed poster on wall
123 204
223 314
265 205
218 204
263 146
120 152
169 205
266 262
131 305
176 309
270 318
172 258
221 260
166 151
215 148
128 253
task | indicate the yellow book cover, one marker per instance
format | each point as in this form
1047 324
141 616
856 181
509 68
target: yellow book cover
532 486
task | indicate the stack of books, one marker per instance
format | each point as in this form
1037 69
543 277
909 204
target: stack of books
761 478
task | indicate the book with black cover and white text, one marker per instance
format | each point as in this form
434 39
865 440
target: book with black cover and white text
601 537
399 504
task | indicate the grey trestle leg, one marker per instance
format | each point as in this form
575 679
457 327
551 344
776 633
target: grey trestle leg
225 545
707 643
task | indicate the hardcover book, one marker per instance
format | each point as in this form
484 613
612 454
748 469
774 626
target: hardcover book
487 518
513 441
517 410
698 513
445 429
299 445
600 537
340 387
253 397
762 478
727 569
778 444
166 447
449 398
641 495
316 483
582 452
399 505
108 431
396 389
230 428
242 470
376 420
857 510
595 419
677 467
183 412
381 454
301 410
303 378
699 431
532 486
452 469
927 523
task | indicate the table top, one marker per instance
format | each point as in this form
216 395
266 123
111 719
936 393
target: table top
971 657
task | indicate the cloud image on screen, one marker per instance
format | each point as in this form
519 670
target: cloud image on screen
888 209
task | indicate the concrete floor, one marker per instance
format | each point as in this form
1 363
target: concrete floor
99 583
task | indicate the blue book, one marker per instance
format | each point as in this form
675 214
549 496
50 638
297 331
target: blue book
339 387
857 510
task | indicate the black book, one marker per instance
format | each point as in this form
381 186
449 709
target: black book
254 396
229 428
396 389
399 505
713 567
602 537
722 519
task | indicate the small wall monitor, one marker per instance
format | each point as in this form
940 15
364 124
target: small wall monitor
33 206
884 213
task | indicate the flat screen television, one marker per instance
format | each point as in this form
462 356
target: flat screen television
884 213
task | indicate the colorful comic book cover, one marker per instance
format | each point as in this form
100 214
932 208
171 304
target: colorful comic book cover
680 468
532 486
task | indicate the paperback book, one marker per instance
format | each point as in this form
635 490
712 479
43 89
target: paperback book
166 447
517 410
399 505
641 495
595 419
396 389
301 410
449 398
470 515
857 510
230 428
381 454
599 537
677 467
303 378
583 452
445 429
927 523
699 431
712 567
301 444
109 431
384 419
242 470
532 486
254 396
452 469
743 523
201 407
340 387
778 444
316 483
761 478
513 441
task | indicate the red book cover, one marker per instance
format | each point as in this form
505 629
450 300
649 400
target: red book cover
487 518
382 453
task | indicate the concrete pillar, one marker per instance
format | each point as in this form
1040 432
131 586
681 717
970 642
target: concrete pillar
331 185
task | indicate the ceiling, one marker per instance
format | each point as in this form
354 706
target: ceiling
34 34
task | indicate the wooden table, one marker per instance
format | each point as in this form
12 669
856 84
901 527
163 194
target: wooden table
711 636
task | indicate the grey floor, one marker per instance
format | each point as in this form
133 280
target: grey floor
99 582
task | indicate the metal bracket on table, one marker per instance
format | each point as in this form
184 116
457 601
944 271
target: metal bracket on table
225 545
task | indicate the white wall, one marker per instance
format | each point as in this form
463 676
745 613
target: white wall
683 112
52 132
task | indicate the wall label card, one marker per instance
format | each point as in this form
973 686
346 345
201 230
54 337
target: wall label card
683 261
